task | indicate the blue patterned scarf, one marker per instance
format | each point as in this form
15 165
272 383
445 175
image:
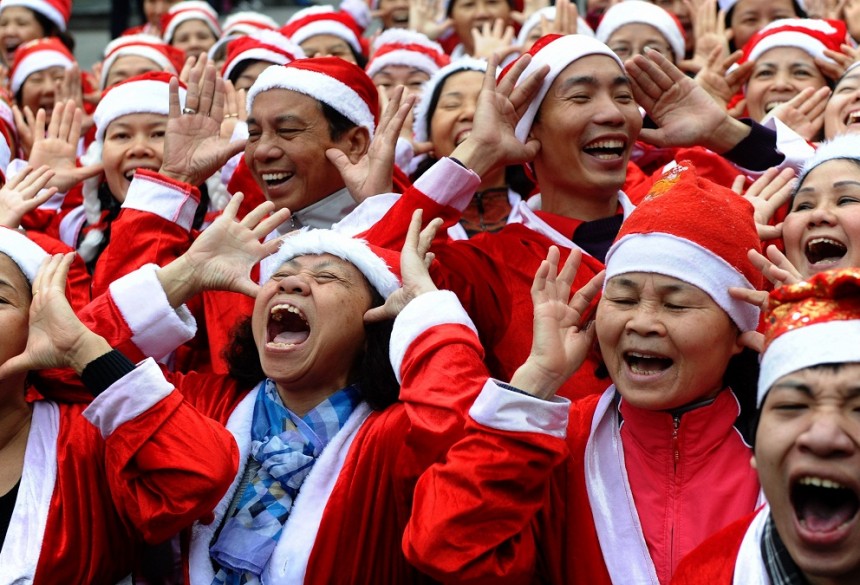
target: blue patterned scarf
284 448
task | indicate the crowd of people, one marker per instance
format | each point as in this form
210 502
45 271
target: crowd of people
633 230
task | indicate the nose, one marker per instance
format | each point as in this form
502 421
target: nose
644 320
139 147
266 150
467 110
826 435
821 215
782 80
294 284
609 113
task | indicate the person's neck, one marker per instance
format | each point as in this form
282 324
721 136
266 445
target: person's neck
492 180
15 416
579 205
301 400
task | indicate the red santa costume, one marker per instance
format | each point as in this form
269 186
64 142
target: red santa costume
602 501
808 324
100 479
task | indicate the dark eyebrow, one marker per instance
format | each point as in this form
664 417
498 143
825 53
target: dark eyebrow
592 81
846 184
279 119
791 385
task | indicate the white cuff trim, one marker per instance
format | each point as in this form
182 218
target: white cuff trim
505 410
157 329
163 199
128 397
440 307
368 212
448 183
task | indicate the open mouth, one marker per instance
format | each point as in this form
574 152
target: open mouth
276 179
129 174
461 136
852 118
400 18
823 505
287 327
825 251
646 364
12 44
605 149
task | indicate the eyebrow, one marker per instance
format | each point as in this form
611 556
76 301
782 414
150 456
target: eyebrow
279 119
592 80
846 184
666 288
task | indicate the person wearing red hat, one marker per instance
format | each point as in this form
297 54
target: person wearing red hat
630 27
133 55
468 17
153 12
38 72
807 447
192 26
249 55
744 18
322 31
617 487
29 20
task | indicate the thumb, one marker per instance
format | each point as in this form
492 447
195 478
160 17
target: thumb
81 173
16 365
652 136
422 147
753 340
246 286
378 314
339 159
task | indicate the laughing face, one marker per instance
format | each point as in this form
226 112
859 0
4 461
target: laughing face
824 222
842 114
586 126
308 323
780 74
665 343
451 121
807 455
132 142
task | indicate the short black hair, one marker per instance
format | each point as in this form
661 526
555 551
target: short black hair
338 124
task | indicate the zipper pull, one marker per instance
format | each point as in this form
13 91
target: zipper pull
676 422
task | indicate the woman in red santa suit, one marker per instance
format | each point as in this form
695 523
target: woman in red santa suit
613 488
83 486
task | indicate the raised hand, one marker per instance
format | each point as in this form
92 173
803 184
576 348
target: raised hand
719 79
561 338
23 193
767 194
56 337
234 109
25 121
193 146
428 17
372 173
709 32
529 8
493 142
566 19
494 39
57 146
222 256
804 113
415 260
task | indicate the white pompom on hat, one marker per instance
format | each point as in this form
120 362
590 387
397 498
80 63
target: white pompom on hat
405 47
430 95
23 251
330 80
641 12
323 20
57 11
189 10
376 264
38 55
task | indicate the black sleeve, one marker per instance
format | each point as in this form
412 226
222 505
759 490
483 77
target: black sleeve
756 152
99 374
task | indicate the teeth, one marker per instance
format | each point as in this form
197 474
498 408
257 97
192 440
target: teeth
280 345
277 311
771 105
853 118
821 482
275 176
641 355
815 241
606 144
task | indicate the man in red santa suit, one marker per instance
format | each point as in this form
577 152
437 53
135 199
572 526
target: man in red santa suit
807 448
611 488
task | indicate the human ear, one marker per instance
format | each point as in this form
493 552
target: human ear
355 143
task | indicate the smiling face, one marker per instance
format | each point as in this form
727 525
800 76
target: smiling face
39 90
665 343
328 46
587 125
451 121
288 137
473 14
132 142
395 13
194 37
308 323
17 25
842 114
682 13
824 221
634 39
750 16
14 308
807 455
780 74
391 76
129 66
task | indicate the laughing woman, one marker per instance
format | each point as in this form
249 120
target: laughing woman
558 492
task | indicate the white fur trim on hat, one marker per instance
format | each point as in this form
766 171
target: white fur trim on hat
822 343
137 97
844 146
327 27
44 8
557 55
26 253
191 10
791 38
680 258
256 54
248 22
422 113
143 51
641 12
406 58
548 13
353 250
319 86
35 62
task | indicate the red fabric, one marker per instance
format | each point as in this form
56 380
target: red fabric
144 482
690 483
713 562
78 280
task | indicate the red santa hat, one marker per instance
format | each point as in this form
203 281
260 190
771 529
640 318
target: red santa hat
245 23
38 55
23 251
330 80
189 10
167 57
430 95
323 20
844 146
641 12
263 45
378 265
405 47
811 323
696 231
557 52
811 35
57 11
548 13
144 94
727 5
